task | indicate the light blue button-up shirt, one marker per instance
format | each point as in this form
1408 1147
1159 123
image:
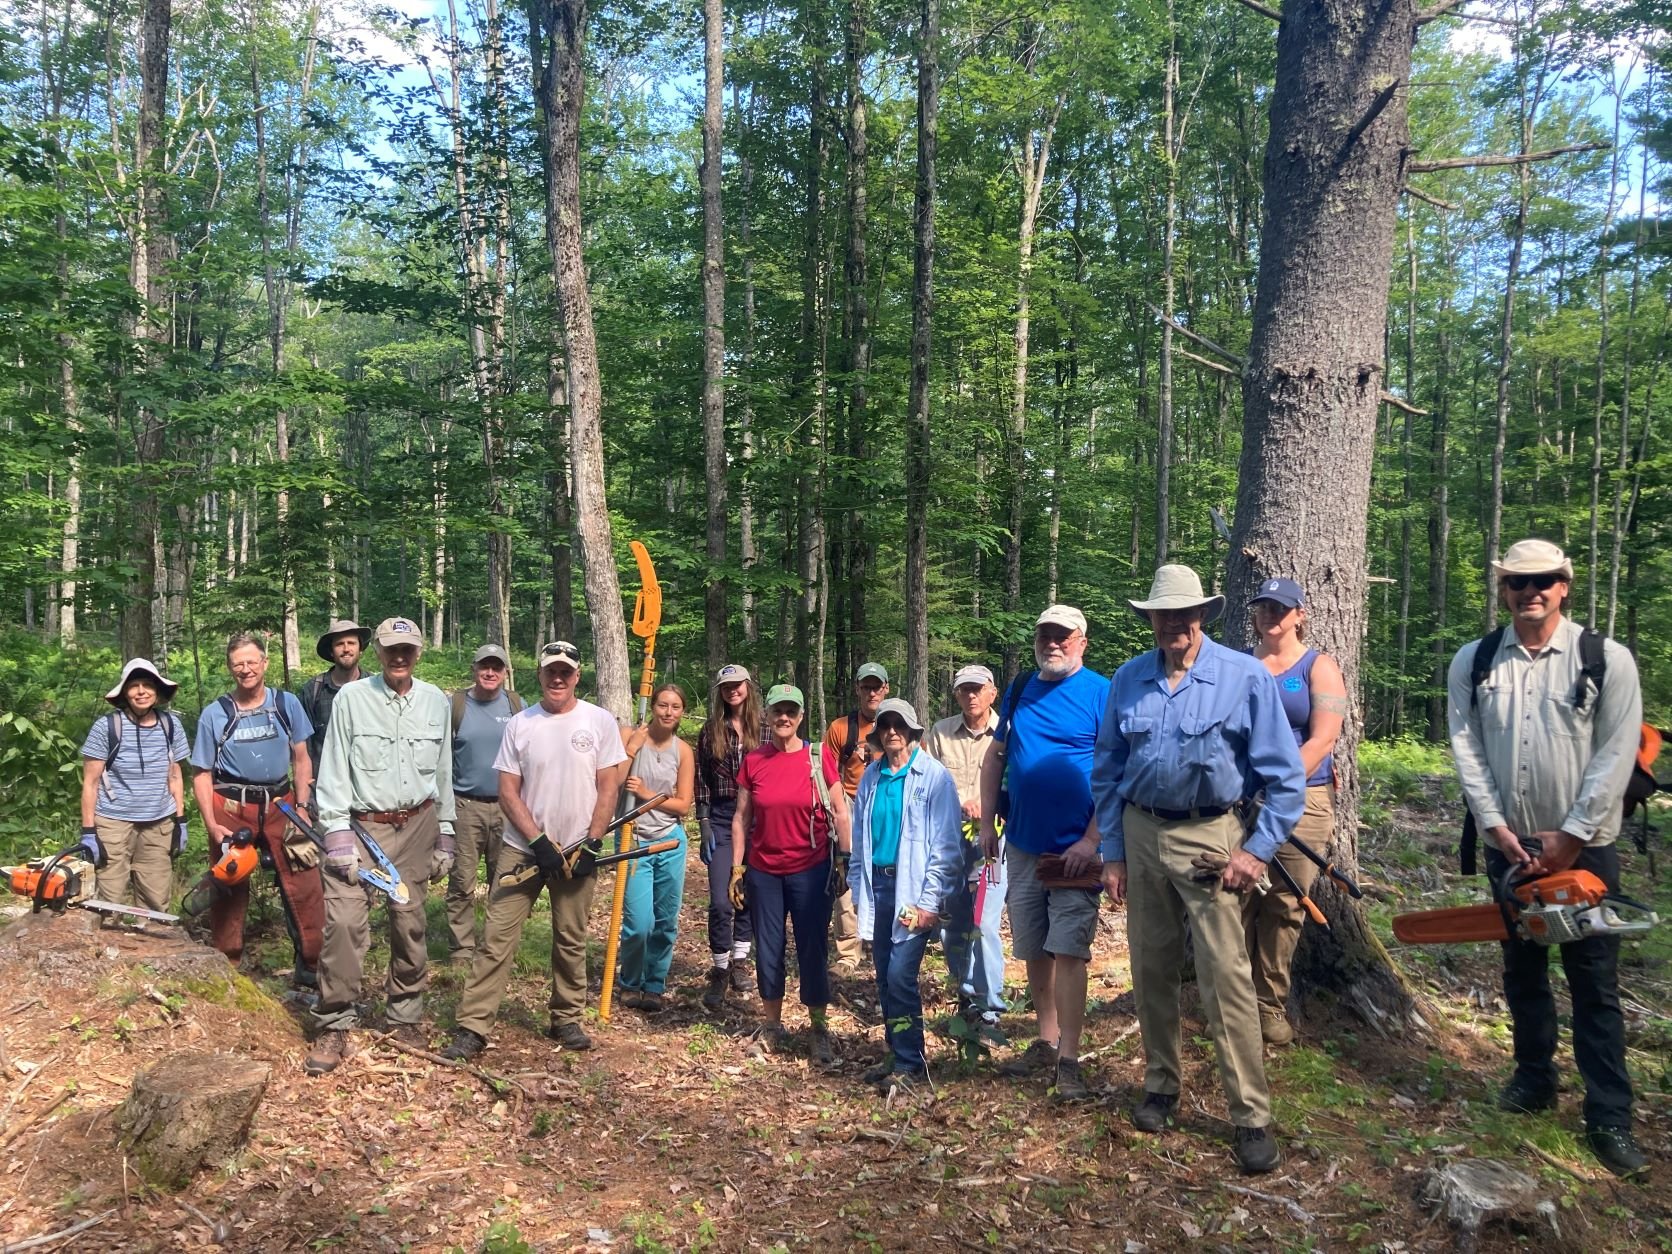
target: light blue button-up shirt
1217 738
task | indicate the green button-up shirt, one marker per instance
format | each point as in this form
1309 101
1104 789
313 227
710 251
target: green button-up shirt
385 751
1527 757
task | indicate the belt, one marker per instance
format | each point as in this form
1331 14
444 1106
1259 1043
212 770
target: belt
470 796
249 794
393 818
1178 816
883 870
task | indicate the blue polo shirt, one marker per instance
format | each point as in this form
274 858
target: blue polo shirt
1048 743
888 813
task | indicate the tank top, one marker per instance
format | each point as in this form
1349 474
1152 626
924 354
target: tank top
1294 686
659 769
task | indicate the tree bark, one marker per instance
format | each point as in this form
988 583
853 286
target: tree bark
560 68
714 336
188 1110
746 420
858 319
1164 433
918 446
1439 513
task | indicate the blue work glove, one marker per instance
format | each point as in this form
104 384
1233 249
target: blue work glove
177 845
441 861
705 850
90 845
342 856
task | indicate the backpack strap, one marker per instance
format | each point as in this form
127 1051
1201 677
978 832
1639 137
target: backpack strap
1481 666
278 695
1593 666
113 746
457 701
230 709
821 795
1012 695
852 746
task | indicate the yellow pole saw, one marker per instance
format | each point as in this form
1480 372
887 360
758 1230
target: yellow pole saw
1551 909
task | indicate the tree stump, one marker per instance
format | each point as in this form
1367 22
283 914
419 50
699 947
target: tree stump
1476 1192
189 1109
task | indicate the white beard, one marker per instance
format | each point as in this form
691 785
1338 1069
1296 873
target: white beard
1055 670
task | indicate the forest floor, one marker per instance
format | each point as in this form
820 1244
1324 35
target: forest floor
669 1135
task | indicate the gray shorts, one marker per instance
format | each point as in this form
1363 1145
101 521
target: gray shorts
1059 922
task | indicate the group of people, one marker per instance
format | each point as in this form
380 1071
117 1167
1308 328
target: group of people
1169 788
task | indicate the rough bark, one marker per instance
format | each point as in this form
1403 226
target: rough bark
560 67
190 1110
918 455
1164 432
1312 382
714 336
858 320
746 419
1439 513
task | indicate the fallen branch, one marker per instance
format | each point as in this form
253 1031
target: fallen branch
498 1083
50 1237
1502 159
11 1134
1103 1049
1555 1162
1296 1211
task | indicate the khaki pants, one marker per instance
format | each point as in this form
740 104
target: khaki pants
509 906
479 829
348 912
844 922
1160 896
1272 921
136 861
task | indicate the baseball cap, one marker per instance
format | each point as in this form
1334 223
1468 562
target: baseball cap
560 651
1535 557
972 674
1283 591
731 673
781 694
489 651
1062 616
393 631
872 670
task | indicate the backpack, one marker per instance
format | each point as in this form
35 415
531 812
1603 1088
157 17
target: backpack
1593 666
1007 708
458 700
114 722
821 797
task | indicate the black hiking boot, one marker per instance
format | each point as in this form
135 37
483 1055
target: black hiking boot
1256 1150
1522 1097
465 1046
714 996
1155 1112
1616 1150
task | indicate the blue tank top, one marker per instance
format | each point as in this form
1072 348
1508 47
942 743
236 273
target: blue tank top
1295 687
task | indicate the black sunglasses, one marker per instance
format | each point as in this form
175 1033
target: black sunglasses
1520 583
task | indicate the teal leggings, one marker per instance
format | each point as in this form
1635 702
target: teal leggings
650 917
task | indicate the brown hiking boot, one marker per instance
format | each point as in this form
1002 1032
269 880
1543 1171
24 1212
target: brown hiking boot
1275 1028
410 1035
330 1049
1039 1057
649 1003
741 981
714 996
1071 1081
820 1049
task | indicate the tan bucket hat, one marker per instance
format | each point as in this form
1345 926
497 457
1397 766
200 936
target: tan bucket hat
1535 557
340 627
1178 588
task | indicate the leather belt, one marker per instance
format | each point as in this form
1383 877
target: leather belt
1179 816
470 796
393 818
887 871
252 794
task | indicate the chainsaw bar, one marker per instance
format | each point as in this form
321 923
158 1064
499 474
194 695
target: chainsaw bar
138 912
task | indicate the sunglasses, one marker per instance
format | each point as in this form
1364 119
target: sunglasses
884 726
559 649
1520 583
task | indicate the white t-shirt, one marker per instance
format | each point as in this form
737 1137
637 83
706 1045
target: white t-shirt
558 757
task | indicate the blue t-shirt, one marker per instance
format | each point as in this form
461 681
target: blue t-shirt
476 744
134 787
259 751
1048 742
888 810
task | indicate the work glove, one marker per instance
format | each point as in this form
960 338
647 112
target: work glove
177 845
441 861
548 857
299 851
1208 867
342 856
92 846
838 882
737 892
581 861
705 850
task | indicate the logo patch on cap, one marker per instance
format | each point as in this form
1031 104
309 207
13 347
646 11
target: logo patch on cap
1271 585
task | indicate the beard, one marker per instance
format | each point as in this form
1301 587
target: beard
1061 668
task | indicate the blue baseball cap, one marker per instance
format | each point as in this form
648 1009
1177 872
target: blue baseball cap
1283 591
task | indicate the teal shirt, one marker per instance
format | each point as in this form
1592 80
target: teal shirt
385 751
888 813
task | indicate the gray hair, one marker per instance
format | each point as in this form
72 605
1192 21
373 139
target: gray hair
242 638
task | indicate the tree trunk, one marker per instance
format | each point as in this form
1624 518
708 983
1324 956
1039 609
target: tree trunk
561 79
1333 171
1439 513
1403 642
714 337
746 485
189 1110
918 447
1164 433
1616 546
858 321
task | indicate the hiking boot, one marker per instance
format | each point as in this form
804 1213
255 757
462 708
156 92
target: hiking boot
1275 1028
741 982
770 1038
1038 1057
1255 1148
630 998
1522 1097
1616 1150
878 1073
714 996
465 1046
410 1035
650 1003
1071 1081
329 1051
1155 1112
569 1035
820 1049
905 1080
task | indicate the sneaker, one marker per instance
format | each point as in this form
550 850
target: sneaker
1155 1112
714 995
410 1035
329 1051
1036 1058
465 1046
820 1049
742 983
1255 1148
569 1035
1521 1097
1616 1150
650 1003
1275 1028
878 1073
1071 1081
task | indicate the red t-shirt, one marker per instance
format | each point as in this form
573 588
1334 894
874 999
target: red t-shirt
781 794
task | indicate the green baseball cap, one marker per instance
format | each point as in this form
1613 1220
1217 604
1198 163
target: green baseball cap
782 694
872 670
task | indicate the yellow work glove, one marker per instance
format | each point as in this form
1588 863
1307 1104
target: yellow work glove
739 897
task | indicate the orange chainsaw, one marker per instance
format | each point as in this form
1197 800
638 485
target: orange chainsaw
1548 910
238 861
67 879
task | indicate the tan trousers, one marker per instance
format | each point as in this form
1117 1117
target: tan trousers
1160 896
348 912
844 922
479 829
509 905
1272 922
136 861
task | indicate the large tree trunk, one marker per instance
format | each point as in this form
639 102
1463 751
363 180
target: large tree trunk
1439 513
858 319
746 487
714 336
561 81
918 457
1333 171
1164 433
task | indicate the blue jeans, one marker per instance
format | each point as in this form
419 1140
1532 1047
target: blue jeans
897 967
650 915
804 900
974 948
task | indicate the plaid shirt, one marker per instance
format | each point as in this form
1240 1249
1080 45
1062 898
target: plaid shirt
717 776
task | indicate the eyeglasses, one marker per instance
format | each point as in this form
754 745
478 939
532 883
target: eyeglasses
1520 583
